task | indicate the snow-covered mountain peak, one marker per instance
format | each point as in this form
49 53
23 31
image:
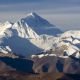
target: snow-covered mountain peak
40 25
35 18
34 34
32 14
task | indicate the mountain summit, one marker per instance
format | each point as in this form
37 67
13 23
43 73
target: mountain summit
23 37
40 25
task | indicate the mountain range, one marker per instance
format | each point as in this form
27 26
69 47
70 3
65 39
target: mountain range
20 37
32 48
34 34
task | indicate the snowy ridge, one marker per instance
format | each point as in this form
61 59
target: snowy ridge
73 33
33 34
24 30
65 46
4 27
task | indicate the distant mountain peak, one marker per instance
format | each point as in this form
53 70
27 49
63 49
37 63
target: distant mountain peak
24 36
40 25
32 14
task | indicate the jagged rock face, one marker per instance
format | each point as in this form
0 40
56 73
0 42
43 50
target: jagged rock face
56 64
44 64
71 66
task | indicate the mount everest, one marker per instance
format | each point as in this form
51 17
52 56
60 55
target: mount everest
33 35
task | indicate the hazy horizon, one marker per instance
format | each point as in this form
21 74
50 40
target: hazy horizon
65 14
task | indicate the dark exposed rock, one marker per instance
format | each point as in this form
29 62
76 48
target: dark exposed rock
22 65
56 64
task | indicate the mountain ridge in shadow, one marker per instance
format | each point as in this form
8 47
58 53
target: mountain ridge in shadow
21 65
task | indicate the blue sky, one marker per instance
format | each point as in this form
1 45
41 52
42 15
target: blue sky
65 14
